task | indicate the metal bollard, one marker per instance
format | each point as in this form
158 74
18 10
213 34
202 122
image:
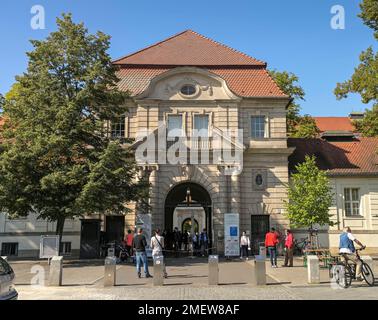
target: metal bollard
158 279
110 271
213 270
260 271
56 271
313 271
262 251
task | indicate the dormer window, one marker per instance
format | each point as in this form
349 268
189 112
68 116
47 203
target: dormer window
188 90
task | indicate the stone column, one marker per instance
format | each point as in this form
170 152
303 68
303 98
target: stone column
235 194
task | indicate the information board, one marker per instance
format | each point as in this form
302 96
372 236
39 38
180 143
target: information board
231 235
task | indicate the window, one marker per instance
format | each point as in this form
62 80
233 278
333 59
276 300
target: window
65 248
259 180
9 249
174 126
118 128
188 90
201 125
258 126
352 201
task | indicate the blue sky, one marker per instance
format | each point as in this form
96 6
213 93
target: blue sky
292 35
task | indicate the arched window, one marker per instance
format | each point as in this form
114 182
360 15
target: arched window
188 90
187 225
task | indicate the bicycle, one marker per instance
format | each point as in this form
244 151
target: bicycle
300 246
344 272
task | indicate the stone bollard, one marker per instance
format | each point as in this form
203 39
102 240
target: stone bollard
158 279
110 271
213 270
313 271
369 261
5 258
260 271
56 271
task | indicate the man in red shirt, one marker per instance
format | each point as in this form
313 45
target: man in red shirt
271 241
129 242
289 249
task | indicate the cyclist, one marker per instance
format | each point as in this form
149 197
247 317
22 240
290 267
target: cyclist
347 249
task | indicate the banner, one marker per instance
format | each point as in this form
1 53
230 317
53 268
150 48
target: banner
231 235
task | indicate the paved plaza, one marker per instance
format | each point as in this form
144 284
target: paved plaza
188 279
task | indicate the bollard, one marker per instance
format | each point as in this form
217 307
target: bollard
260 271
56 271
158 279
213 270
313 270
110 271
111 252
262 251
5 258
369 261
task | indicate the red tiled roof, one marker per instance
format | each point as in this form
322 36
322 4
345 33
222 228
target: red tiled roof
244 75
334 124
355 157
189 48
243 82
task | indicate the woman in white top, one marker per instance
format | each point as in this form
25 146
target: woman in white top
157 246
245 245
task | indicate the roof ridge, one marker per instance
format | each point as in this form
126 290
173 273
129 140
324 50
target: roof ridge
199 35
226 46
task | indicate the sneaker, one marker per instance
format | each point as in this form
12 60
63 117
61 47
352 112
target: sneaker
247 258
359 278
241 258
166 276
273 266
139 275
148 276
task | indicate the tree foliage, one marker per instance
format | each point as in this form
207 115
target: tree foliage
364 81
57 159
297 126
309 196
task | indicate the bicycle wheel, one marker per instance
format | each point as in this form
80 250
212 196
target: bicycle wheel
367 274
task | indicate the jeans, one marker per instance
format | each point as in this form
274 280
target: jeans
141 258
273 255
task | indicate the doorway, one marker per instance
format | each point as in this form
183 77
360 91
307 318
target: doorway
114 228
90 238
259 228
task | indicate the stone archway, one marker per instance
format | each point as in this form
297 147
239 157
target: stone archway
200 197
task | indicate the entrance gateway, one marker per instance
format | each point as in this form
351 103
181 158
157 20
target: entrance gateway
189 204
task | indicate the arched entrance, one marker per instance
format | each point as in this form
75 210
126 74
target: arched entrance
189 195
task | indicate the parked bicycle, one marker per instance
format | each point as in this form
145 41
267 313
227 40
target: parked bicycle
301 245
343 272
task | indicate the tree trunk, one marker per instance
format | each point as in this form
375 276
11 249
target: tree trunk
59 229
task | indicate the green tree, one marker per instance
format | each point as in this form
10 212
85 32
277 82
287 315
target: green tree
309 196
364 81
296 124
57 159
305 128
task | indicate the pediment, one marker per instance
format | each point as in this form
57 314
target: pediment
207 86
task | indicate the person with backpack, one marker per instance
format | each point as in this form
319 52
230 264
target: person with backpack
157 246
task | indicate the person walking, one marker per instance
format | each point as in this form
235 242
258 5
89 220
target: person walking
204 242
289 248
195 240
157 246
271 241
245 245
139 245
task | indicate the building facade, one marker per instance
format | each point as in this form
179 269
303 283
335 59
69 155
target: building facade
188 84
